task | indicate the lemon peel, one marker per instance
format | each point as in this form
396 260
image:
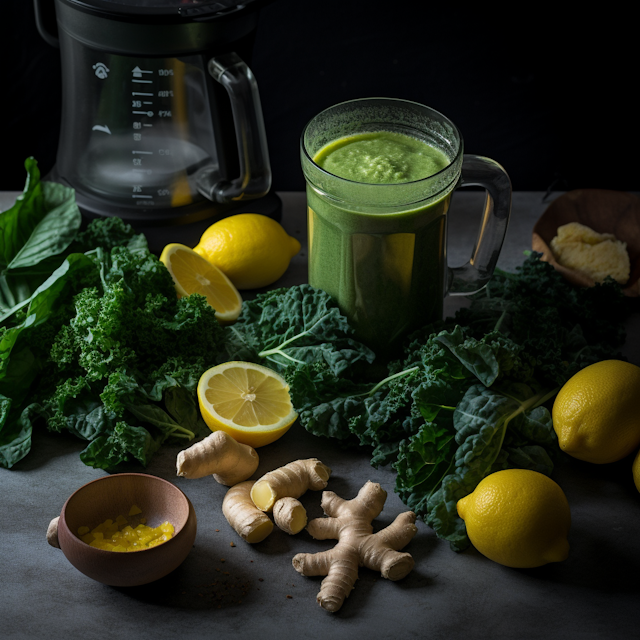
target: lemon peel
252 250
191 273
635 469
596 414
518 518
248 401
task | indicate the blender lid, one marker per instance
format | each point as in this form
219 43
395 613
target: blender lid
193 9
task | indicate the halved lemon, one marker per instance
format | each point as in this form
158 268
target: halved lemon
248 401
194 274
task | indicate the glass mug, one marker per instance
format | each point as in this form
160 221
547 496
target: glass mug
380 249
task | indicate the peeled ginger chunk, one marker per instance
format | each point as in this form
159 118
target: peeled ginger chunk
597 255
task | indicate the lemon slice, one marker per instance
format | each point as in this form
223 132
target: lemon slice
194 274
248 401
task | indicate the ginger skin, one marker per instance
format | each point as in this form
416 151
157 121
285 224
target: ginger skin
292 481
350 524
219 455
290 515
251 524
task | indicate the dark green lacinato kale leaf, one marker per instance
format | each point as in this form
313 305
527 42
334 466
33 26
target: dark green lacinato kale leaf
482 421
301 326
454 410
562 328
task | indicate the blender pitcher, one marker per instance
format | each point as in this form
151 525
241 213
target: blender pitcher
161 117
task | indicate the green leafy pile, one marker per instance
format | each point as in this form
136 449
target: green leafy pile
115 355
467 398
94 342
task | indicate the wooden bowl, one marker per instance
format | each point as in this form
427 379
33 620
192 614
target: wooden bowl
605 212
114 495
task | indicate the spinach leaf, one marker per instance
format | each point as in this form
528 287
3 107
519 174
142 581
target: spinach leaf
34 234
15 432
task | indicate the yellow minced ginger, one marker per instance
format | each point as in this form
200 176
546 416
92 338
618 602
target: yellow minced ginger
120 536
594 254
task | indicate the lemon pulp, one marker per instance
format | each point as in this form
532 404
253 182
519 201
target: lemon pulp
248 401
194 274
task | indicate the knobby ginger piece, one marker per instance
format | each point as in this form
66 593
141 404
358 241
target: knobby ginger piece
249 522
350 524
219 455
292 481
290 515
594 254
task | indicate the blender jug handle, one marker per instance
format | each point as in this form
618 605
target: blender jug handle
255 171
44 16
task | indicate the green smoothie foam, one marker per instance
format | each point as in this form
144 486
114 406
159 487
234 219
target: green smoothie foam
381 157
386 270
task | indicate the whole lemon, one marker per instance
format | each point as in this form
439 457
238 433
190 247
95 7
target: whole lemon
596 414
518 518
252 250
636 471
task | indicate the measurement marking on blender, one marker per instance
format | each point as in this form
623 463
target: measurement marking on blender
137 72
143 81
141 93
149 153
144 113
140 196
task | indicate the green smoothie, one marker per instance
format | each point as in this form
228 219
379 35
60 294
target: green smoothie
385 266
382 157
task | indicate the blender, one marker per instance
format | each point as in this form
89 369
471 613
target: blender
161 117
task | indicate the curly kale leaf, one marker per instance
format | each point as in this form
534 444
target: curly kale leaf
300 325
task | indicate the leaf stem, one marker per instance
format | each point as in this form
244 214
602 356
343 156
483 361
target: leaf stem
503 315
173 434
278 349
383 382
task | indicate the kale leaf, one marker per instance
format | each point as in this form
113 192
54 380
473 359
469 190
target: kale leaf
468 398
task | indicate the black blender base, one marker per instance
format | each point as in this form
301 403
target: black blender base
189 234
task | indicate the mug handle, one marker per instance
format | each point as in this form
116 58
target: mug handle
473 276
255 171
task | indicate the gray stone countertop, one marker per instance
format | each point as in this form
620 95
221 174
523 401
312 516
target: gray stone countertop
221 591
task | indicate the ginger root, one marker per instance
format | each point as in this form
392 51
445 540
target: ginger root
219 455
350 524
292 481
251 524
290 515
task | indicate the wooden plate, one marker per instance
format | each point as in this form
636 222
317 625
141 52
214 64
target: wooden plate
604 211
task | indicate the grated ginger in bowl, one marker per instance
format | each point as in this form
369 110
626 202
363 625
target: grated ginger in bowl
597 255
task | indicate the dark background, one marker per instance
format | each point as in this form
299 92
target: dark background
548 94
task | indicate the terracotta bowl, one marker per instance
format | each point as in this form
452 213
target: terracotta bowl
111 496
605 212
